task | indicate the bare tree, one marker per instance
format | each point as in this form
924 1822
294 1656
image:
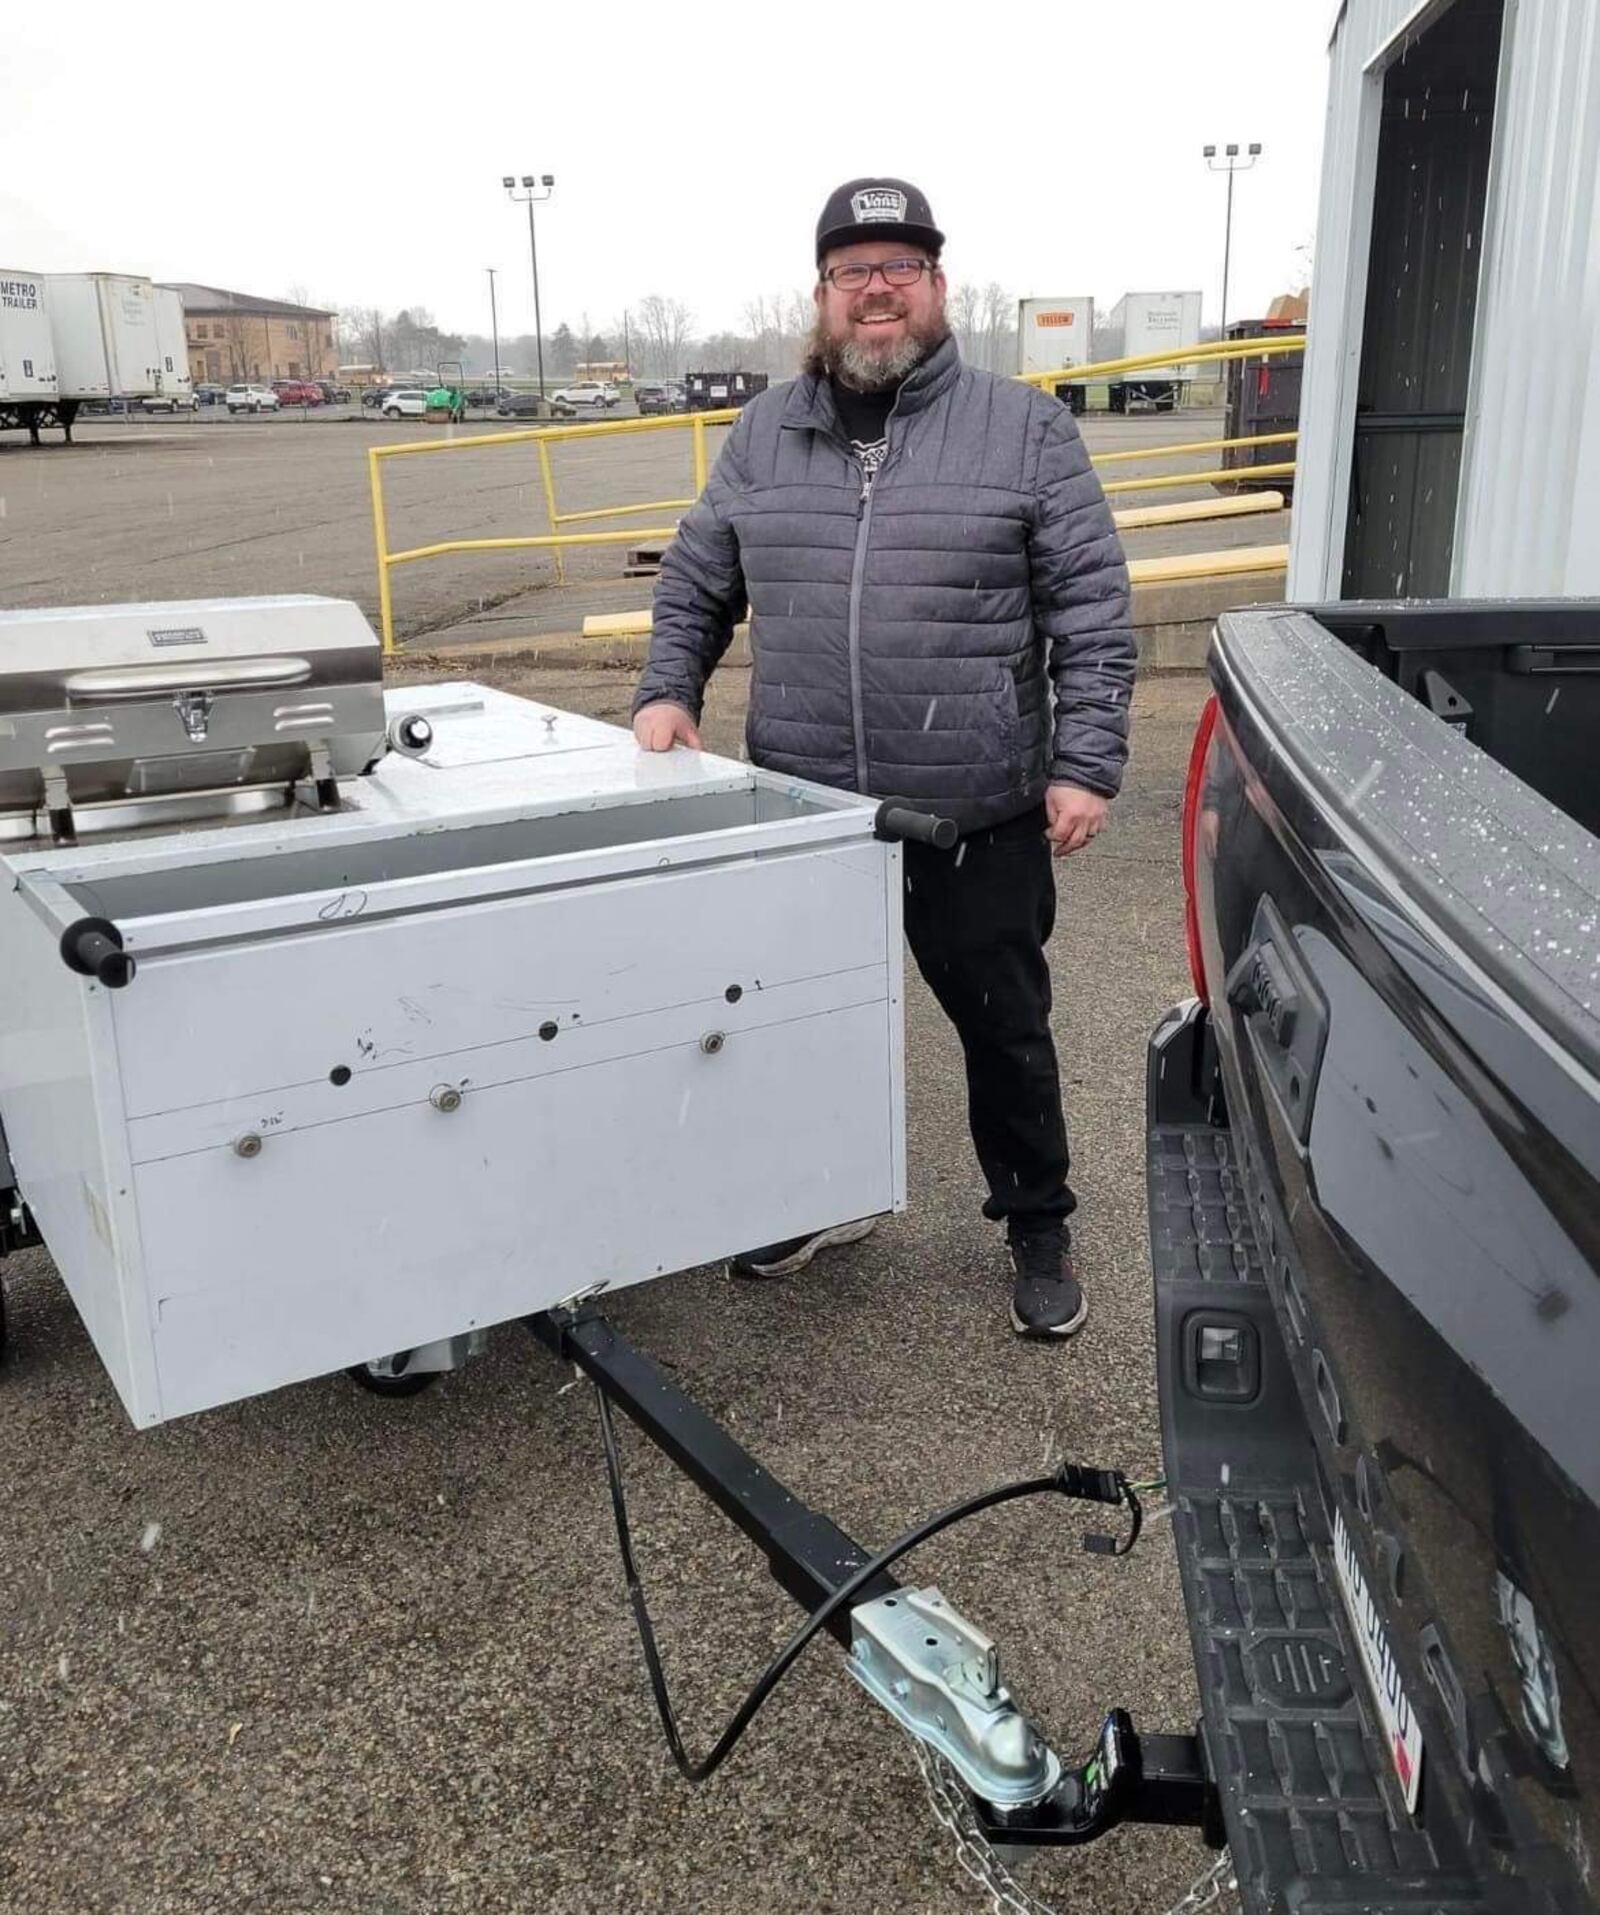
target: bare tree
799 314
625 337
998 306
664 327
962 312
240 342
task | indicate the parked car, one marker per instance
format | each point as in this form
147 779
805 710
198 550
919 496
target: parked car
405 402
297 392
374 396
659 395
587 395
251 399
487 395
520 405
333 395
210 395
169 402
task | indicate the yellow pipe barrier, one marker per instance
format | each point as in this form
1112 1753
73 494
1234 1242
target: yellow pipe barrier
1240 562
550 509
380 532
535 543
543 437
530 435
616 511
1221 351
1214 475
1134 518
1195 445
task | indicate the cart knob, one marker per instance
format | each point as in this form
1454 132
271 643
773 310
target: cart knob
93 948
411 735
916 827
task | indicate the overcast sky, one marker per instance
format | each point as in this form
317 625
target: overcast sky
692 146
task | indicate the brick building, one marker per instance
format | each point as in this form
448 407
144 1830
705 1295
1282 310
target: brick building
233 336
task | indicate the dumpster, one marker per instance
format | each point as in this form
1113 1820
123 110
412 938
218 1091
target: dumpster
1263 397
716 391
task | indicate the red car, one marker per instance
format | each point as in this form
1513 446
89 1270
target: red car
297 392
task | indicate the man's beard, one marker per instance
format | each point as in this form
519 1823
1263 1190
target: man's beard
866 368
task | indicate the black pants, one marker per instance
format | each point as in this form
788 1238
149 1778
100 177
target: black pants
977 919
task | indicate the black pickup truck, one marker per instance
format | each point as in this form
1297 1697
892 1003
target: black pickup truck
1374 1186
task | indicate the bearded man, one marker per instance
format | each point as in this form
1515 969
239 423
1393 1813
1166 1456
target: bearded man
939 616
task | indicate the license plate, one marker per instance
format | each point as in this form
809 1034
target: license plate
1383 1676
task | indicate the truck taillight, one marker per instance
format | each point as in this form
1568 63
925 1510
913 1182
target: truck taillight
1198 753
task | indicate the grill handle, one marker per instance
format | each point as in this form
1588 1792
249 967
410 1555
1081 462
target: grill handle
211 675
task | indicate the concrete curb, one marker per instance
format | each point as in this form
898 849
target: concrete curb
1172 626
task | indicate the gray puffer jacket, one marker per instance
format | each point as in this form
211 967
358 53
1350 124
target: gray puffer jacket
906 639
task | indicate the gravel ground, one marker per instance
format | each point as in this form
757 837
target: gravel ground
319 1650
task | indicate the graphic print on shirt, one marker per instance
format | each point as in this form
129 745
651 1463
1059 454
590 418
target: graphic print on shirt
869 455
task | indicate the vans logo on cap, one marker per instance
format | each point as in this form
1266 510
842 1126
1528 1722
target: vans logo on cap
878 202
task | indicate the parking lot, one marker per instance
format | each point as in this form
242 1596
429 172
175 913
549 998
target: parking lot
320 1650
194 506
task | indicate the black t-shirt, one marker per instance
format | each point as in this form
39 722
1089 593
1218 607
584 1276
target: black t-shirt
865 418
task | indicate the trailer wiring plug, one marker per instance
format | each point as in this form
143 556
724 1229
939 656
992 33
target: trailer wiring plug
1103 1486
1072 1480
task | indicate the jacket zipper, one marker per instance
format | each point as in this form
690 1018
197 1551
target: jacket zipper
858 568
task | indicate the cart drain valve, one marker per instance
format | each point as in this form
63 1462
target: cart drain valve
939 1677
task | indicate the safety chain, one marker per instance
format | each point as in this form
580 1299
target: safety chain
1215 1889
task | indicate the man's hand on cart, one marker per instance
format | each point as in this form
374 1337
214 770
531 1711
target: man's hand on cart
661 726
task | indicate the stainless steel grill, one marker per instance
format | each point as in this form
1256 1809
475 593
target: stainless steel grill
206 700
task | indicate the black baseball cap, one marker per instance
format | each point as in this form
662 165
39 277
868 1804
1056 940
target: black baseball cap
877 209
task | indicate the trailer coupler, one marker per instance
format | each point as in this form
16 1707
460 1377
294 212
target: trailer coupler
932 1670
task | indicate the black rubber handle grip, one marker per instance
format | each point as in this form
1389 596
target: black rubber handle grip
918 827
93 948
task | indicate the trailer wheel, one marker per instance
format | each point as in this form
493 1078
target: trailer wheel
380 1385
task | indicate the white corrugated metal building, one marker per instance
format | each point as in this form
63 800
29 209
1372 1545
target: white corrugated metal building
1450 423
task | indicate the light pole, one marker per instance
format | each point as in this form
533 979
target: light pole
494 328
1230 163
530 197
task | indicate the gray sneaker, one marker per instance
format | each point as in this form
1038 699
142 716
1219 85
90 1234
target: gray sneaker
794 1253
1046 1300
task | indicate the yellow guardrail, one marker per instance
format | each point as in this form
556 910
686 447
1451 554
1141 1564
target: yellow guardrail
543 437
1218 352
557 541
1212 475
1194 445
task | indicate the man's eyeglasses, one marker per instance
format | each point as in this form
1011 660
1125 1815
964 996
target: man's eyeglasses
893 272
